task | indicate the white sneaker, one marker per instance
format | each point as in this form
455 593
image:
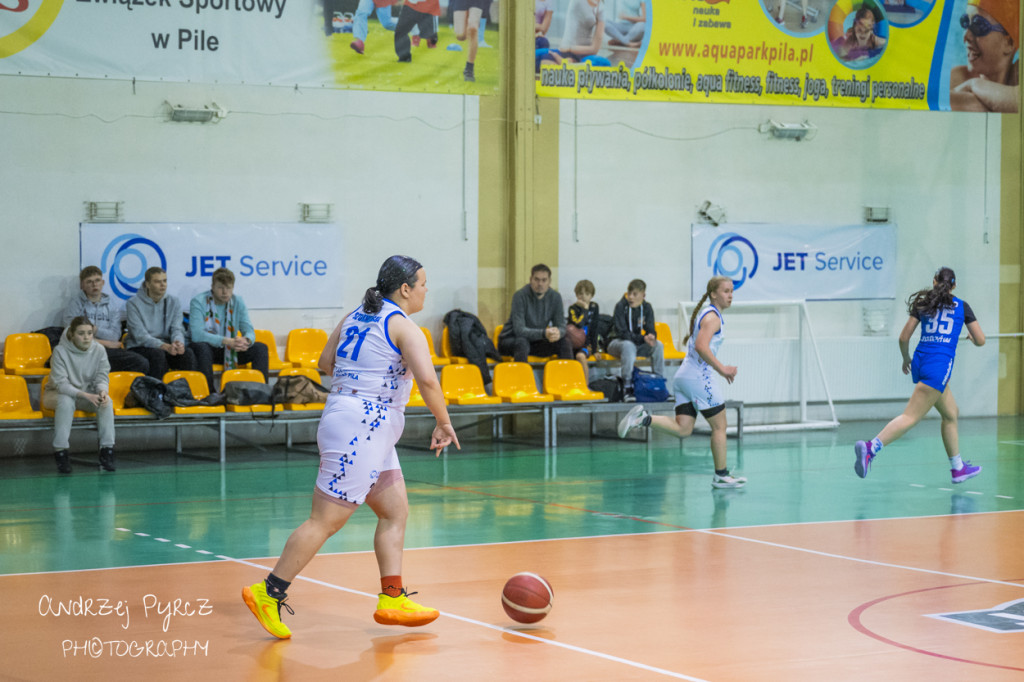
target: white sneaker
632 419
728 481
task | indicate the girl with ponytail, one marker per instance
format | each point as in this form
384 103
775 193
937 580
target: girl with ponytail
695 385
942 316
372 357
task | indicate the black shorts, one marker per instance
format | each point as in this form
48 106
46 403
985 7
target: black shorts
690 411
465 5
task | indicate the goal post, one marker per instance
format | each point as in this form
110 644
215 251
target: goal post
805 343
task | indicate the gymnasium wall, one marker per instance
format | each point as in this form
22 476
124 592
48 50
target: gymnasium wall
399 169
632 176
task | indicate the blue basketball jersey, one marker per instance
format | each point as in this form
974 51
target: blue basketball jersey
367 363
941 331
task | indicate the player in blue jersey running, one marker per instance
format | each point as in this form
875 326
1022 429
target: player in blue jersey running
372 356
942 316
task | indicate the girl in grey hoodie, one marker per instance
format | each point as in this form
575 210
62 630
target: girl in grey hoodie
79 379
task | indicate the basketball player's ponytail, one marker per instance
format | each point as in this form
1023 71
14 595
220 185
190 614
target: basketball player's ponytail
929 301
396 271
713 285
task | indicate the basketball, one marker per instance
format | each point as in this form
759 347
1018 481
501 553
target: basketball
527 597
577 337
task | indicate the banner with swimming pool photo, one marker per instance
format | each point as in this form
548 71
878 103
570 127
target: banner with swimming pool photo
939 55
777 262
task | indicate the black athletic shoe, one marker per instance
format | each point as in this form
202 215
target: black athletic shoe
468 75
63 460
107 459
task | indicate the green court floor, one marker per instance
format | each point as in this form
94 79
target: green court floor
191 509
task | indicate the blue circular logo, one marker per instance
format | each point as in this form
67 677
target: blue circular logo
726 258
126 259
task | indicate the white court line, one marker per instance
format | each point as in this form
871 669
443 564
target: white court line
870 562
489 626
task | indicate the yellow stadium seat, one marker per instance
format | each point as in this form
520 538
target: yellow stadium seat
197 384
514 383
434 357
14 400
266 337
509 358
302 372
26 355
304 346
49 413
664 334
464 385
446 350
564 379
416 398
244 375
120 387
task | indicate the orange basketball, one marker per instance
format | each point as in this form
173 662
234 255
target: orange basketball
527 597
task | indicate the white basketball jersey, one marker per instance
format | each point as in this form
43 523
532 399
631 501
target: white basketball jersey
367 364
716 339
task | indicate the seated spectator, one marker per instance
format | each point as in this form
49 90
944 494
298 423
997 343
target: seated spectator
107 314
155 327
583 315
79 379
536 324
215 318
635 333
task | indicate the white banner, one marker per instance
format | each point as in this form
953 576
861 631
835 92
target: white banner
276 265
247 41
312 43
775 262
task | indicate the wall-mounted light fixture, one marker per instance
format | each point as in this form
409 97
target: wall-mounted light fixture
790 131
104 211
208 113
876 214
711 213
315 213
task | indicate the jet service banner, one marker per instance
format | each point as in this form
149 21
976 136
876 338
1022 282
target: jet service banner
276 265
777 262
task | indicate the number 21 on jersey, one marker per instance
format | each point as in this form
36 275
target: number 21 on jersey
356 334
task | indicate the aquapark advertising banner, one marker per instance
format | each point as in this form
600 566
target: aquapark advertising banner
276 265
897 54
775 262
366 44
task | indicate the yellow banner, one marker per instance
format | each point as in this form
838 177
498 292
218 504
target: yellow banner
895 54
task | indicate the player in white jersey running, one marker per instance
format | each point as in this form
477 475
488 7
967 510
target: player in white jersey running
369 356
695 385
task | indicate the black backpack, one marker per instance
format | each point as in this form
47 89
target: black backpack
611 386
605 330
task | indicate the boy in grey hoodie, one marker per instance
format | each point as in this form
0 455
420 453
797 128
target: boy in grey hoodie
106 314
155 327
79 379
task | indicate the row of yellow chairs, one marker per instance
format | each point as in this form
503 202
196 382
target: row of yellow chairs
664 333
27 354
15 402
514 382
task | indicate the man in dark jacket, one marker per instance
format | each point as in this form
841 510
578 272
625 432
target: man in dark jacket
536 325
635 333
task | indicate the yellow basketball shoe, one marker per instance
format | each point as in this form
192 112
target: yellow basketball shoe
401 610
267 609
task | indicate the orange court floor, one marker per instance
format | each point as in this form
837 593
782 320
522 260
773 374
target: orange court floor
808 573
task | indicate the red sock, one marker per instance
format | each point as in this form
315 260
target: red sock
391 585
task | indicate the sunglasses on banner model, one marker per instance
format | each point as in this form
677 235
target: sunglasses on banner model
979 25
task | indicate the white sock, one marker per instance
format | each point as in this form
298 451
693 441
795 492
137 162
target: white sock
955 463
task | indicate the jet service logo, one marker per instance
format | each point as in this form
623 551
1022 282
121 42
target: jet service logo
729 256
126 259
